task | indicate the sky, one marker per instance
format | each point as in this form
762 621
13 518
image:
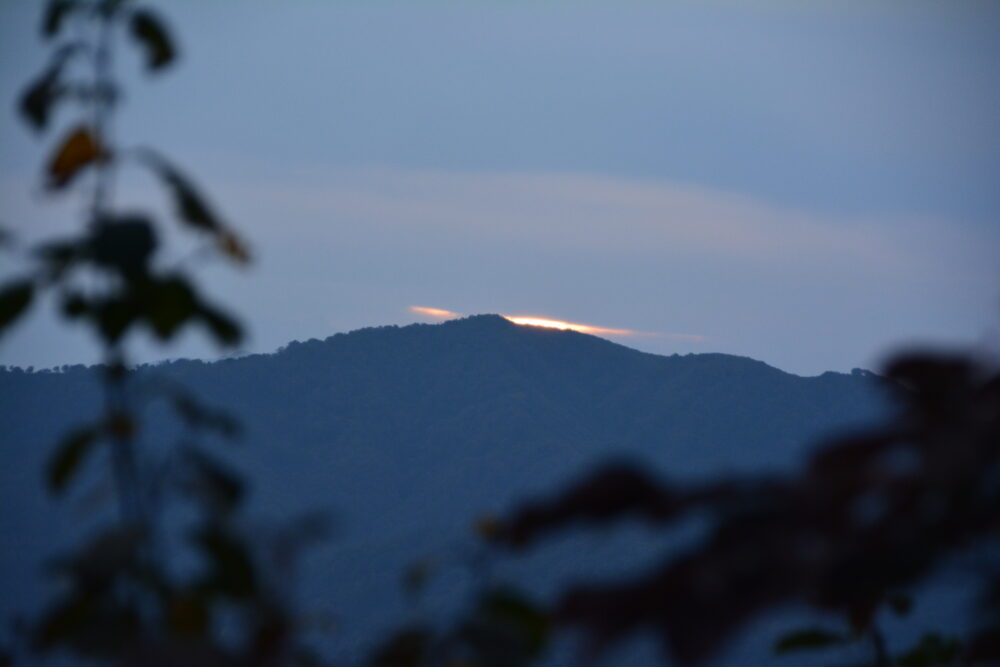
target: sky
809 184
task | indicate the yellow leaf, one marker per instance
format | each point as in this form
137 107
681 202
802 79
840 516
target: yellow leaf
78 150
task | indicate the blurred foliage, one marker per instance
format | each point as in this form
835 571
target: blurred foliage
870 515
121 599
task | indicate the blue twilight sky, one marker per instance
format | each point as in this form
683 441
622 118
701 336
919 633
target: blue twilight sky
809 184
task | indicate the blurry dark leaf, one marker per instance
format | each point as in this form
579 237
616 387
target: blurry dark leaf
68 455
121 426
191 206
15 298
304 656
504 630
231 570
224 328
188 615
810 638
168 304
91 627
39 97
984 647
149 31
900 603
124 244
55 14
114 370
407 648
416 575
932 651
212 484
517 613
63 621
75 305
113 317
105 560
194 210
197 415
77 150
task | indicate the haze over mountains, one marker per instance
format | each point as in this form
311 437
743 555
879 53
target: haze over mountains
407 434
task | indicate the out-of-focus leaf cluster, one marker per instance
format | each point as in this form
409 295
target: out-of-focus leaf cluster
504 628
869 516
122 598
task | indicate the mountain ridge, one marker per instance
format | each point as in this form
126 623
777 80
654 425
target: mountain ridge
408 433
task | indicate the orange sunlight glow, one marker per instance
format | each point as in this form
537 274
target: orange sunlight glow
572 326
437 313
535 321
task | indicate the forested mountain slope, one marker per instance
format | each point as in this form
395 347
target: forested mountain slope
406 434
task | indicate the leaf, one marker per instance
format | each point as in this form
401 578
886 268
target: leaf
15 298
55 14
188 615
212 484
78 150
149 31
407 648
191 206
932 650
224 328
809 638
194 210
38 98
113 317
416 575
519 615
69 454
900 603
197 415
168 304
124 244
231 571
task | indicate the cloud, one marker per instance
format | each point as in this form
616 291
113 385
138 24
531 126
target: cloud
587 213
435 313
539 321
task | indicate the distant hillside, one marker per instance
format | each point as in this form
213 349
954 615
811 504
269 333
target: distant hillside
408 433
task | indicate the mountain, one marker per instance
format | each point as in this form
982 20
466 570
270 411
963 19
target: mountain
407 434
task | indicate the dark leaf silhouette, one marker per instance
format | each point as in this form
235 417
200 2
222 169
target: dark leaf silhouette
147 28
15 298
55 15
230 569
70 453
932 650
807 539
810 638
124 244
224 328
407 648
194 210
209 482
38 100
